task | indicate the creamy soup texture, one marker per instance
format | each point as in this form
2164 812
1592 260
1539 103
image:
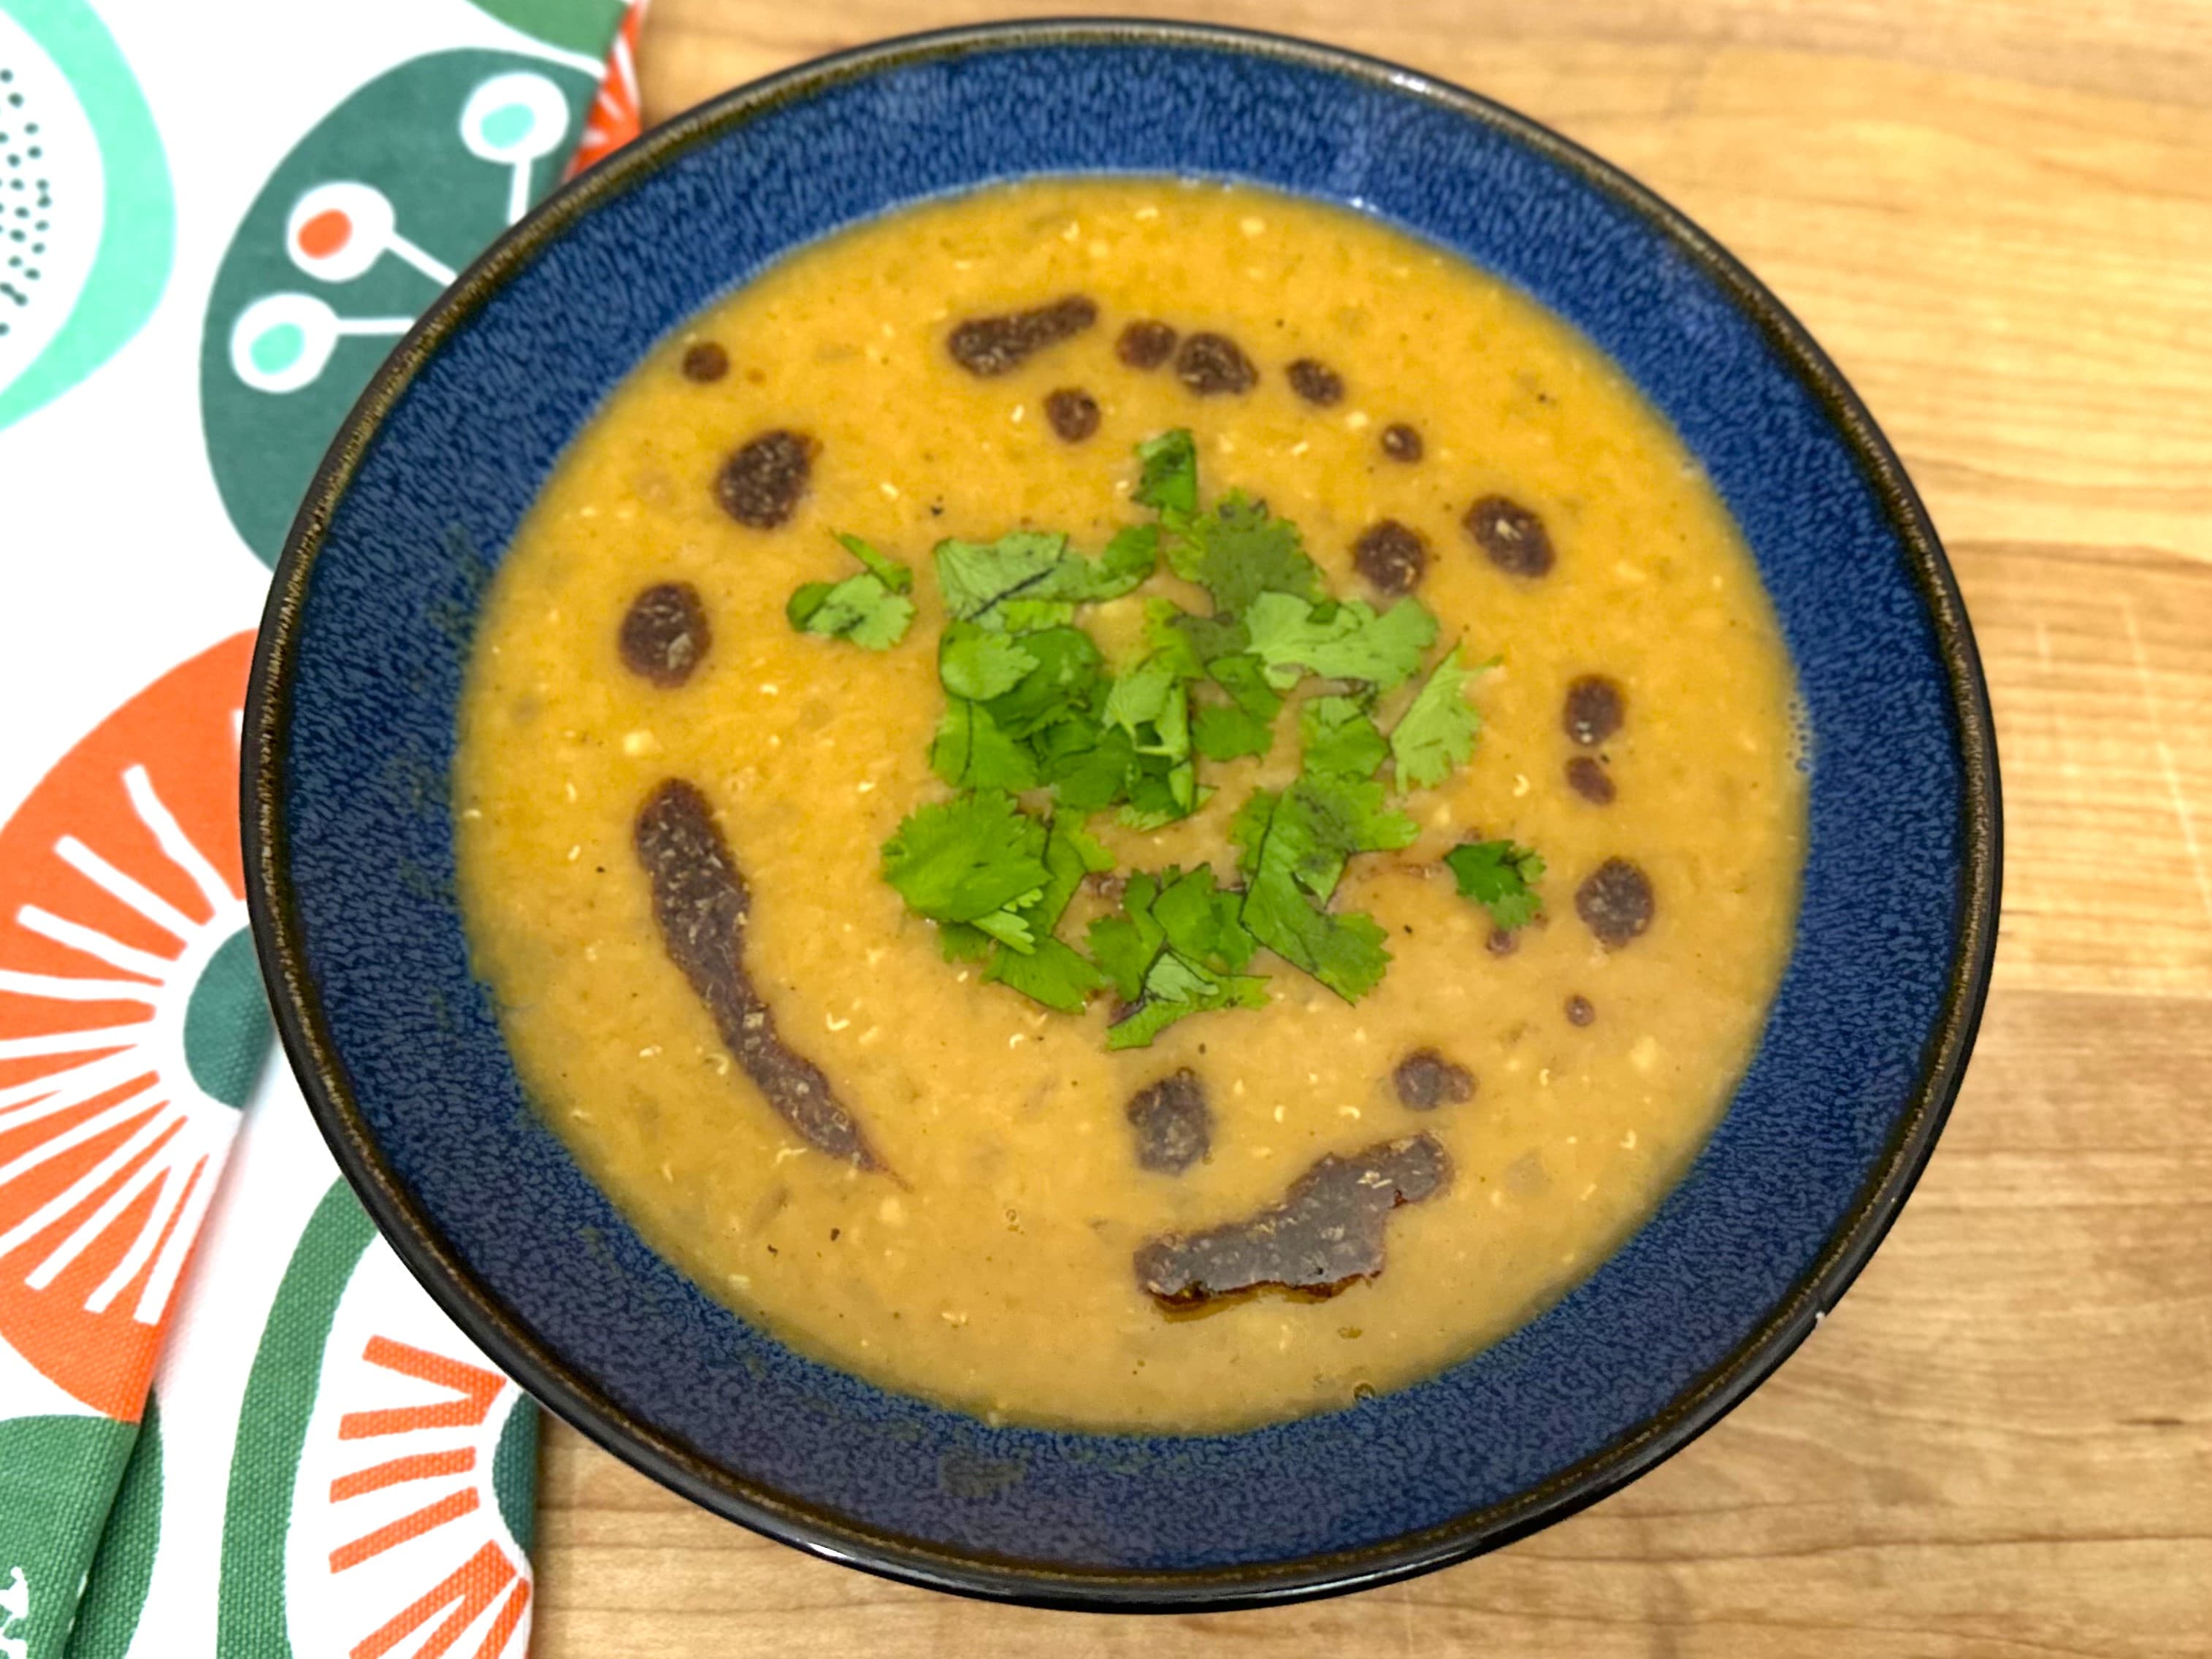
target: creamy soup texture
989 1205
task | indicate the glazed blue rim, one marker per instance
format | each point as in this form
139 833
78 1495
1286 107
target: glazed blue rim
422 1244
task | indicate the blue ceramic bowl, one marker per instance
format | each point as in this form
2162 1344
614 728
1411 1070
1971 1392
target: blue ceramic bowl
350 733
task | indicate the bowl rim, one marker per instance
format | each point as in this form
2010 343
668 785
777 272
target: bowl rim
563 1388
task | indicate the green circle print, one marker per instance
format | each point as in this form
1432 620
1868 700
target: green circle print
584 26
351 238
87 220
227 1023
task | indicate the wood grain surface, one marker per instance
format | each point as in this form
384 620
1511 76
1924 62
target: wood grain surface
1997 215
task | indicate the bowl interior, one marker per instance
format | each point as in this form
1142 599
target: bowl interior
353 733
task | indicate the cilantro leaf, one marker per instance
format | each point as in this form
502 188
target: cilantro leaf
1037 728
1243 677
974 663
1339 738
1175 914
1309 831
1033 579
1152 707
1173 951
1436 733
997 882
1176 989
962 942
1246 726
1129 558
890 572
1029 959
1249 829
1209 640
1054 973
1168 476
1069 855
1010 927
1124 945
1171 641
1150 696
868 609
1200 920
1223 731
860 608
1159 792
1239 551
1065 685
1295 846
1090 771
965 859
978 578
1500 877
972 750
1337 642
1343 951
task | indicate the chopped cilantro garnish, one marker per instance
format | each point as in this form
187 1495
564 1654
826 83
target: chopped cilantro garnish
979 579
972 750
1176 989
1168 478
1295 848
1244 677
890 572
1152 706
998 881
1126 945
1039 721
1309 830
1185 912
1501 877
1339 738
1223 731
1129 558
961 943
1031 705
1159 792
1064 686
1054 973
978 664
1437 732
1174 951
1070 855
1048 970
1346 641
1168 634
1089 770
1010 927
1246 725
1201 921
1149 703
1343 950
1239 551
1211 640
968 860
1032 579
870 609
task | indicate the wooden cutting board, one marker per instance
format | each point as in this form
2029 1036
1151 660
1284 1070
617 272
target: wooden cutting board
1997 215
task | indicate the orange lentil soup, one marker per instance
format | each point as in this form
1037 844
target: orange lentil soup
1449 1009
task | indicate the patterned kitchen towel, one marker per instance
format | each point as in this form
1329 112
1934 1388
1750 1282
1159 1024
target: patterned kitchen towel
208 238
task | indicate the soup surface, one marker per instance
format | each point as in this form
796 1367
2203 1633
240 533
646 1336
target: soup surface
674 803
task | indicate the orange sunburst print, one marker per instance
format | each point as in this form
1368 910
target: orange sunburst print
433 1459
130 1025
617 114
